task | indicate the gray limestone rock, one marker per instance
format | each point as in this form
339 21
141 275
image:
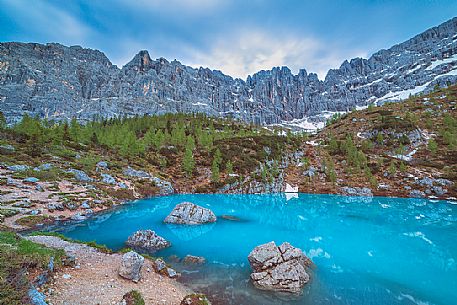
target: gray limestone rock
280 268
131 265
190 214
60 82
357 191
147 240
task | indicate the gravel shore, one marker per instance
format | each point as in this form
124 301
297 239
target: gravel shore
95 279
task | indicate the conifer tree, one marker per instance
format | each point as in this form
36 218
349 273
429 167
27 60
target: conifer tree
229 167
2 121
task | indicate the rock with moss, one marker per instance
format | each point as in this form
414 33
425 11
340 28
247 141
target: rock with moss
131 265
132 298
147 240
190 214
161 267
195 299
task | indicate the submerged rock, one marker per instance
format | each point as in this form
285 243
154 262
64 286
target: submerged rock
280 268
230 217
190 214
147 240
131 266
194 260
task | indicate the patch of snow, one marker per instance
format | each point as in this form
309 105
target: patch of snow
199 104
437 63
361 107
450 73
401 95
359 134
410 71
312 143
407 157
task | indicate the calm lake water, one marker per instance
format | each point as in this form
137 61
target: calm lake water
367 250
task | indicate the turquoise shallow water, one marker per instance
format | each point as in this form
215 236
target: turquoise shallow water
367 251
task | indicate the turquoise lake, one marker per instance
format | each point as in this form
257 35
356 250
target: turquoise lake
366 250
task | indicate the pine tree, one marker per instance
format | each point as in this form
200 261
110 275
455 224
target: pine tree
94 139
432 146
75 130
2 121
229 167
215 166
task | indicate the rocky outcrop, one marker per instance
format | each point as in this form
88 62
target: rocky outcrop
165 187
147 240
416 194
280 268
108 179
357 191
131 265
80 175
59 82
190 214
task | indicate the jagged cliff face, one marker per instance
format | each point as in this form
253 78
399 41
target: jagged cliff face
61 82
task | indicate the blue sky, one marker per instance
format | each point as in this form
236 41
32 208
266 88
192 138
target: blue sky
237 37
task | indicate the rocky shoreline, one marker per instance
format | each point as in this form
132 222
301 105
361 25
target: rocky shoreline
94 279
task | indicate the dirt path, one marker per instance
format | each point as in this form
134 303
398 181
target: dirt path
95 280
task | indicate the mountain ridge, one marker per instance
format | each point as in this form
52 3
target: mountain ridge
62 82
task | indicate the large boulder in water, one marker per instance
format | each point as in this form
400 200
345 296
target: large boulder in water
147 240
280 268
190 214
131 266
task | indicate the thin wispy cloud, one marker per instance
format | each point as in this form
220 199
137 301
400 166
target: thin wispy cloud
42 19
248 51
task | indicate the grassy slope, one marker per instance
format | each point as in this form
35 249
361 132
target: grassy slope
435 115
20 259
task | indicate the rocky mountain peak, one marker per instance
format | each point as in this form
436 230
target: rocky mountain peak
62 82
140 62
